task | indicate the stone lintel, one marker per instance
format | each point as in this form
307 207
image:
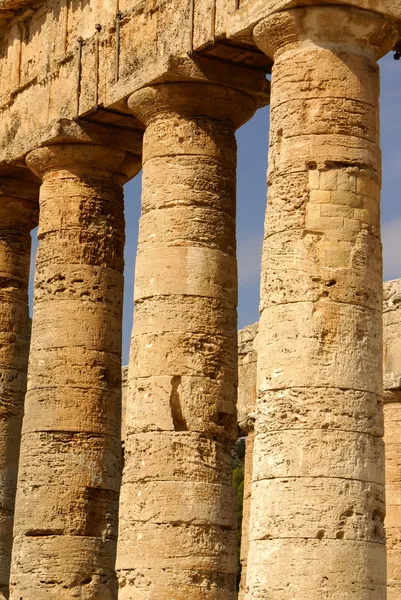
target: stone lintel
241 24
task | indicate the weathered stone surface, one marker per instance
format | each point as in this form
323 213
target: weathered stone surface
246 404
392 425
19 194
247 356
177 509
70 466
318 483
246 510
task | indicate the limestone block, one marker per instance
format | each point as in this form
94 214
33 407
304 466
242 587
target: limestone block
334 573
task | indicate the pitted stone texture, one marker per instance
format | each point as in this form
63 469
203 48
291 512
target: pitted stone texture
246 401
318 483
177 509
392 428
246 507
247 356
392 420
124 389
391 335
67 501
18 216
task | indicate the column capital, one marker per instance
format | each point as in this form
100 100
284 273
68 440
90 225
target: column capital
101 162
333 27
193 99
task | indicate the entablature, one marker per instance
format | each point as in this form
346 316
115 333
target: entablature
74 59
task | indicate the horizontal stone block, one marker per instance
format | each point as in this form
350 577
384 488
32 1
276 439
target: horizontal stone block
320 408
59 458
62 510
197 136
194 225
180 313
295 269
74 559
193 182
181 546
188 457
191 271
179 503
319 453
80 282
139 584
56 409
89 369
320 344
317 508
195 404
184 354
334 567
77 323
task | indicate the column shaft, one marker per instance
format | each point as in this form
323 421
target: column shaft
392 429
68 485
177 510
246 400
246 512
318 484
18 216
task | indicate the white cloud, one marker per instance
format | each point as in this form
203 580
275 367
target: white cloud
249 258
391 237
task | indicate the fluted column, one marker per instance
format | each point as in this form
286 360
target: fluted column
392 432
67 500
18 216
318 485
177 510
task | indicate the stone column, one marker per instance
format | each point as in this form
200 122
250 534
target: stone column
318 485
177 510
247 359
68 485
246 511
18 216
392 432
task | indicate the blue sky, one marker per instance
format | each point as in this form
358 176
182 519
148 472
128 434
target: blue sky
252 141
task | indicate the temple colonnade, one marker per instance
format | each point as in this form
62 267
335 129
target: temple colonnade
318 506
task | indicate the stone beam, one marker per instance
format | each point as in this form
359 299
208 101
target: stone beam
98 57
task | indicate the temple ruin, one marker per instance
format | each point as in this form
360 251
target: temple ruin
92 92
